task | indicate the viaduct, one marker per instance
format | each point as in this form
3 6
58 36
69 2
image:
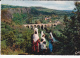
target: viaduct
41 25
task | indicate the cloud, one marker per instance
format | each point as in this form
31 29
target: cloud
60 2
59 5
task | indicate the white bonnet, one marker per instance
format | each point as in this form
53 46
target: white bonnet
36 29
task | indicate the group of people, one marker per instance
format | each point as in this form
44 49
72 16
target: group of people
40 45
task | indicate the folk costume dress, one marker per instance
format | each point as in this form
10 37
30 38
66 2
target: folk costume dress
35 44
43 43
51 42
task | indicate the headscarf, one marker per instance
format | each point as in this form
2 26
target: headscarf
35 36
54 40
36 29
42 35
51 35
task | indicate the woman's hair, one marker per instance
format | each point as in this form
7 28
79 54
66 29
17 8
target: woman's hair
43 35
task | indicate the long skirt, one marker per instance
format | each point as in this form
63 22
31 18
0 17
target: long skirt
50 47
35 46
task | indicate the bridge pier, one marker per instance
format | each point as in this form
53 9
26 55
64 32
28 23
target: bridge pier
29 26
33 26
43 26
40 26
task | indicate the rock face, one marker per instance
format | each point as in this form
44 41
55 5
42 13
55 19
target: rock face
7 14
19 10
10 11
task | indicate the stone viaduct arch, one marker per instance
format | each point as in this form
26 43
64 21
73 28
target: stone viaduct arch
38 25
32 26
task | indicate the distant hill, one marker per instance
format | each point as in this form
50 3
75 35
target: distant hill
3 6
54 10
35 10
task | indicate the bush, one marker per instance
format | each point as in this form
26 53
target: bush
27 40
10 38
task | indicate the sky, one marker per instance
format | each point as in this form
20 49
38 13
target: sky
59 5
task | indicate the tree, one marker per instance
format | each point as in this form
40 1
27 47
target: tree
65 19
10 38
27 40
77 27
71 33
30 17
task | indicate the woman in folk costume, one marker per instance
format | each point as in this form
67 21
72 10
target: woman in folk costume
35 44
43 36
43 43
51 42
